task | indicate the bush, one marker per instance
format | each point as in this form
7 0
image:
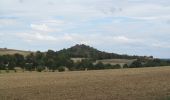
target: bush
61 69
40 68
136 64
125 66
117 66
108 66
99 66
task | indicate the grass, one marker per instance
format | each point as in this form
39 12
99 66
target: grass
12 51
116 61
118 84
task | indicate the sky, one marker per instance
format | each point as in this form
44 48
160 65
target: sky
134 27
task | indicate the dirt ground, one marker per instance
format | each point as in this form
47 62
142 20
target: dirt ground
117 84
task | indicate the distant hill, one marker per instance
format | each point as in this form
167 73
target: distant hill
78 51
4 51
84 51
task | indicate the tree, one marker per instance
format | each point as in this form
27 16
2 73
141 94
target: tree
1 63
40 68
30 62
108 66
61 69
117 66
50 54
99 65
136 64
20 61
125 66
69 64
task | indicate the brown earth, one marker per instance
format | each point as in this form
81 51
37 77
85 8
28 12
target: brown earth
118 84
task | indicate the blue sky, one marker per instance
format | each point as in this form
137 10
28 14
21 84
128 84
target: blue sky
135 27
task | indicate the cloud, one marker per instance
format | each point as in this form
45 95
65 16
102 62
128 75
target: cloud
92 39
41 27
121 25
125 40
95 39
36 37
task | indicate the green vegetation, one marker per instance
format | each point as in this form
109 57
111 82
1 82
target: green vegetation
60 60
84 51
61 69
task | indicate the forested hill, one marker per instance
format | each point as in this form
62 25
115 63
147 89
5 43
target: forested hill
84 51
77 51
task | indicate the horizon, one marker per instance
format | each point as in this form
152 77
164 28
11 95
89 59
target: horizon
132 27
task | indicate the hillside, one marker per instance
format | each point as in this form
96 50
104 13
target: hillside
77 51
84 51
4 51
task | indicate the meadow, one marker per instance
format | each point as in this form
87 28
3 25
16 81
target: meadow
118 84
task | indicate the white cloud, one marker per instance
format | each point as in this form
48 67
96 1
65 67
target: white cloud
99 39
36 37
119 23
124 39
41 27
92 39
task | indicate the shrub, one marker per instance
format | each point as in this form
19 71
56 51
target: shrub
125 66
99 66
61 69
108 66
136 64
117 66
40 68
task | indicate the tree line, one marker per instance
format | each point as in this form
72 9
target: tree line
52 61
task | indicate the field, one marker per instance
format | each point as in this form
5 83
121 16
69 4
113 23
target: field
109 61
12 51
116 61
118 84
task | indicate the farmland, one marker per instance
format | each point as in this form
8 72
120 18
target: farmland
119 84
116 61
4 51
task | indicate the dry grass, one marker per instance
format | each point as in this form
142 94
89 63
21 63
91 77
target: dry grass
77 59
11 52
121 84
116 61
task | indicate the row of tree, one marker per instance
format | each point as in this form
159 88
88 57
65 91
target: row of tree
52 60
149 63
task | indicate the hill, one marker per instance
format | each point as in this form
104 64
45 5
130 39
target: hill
84 51
4 51
78 51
